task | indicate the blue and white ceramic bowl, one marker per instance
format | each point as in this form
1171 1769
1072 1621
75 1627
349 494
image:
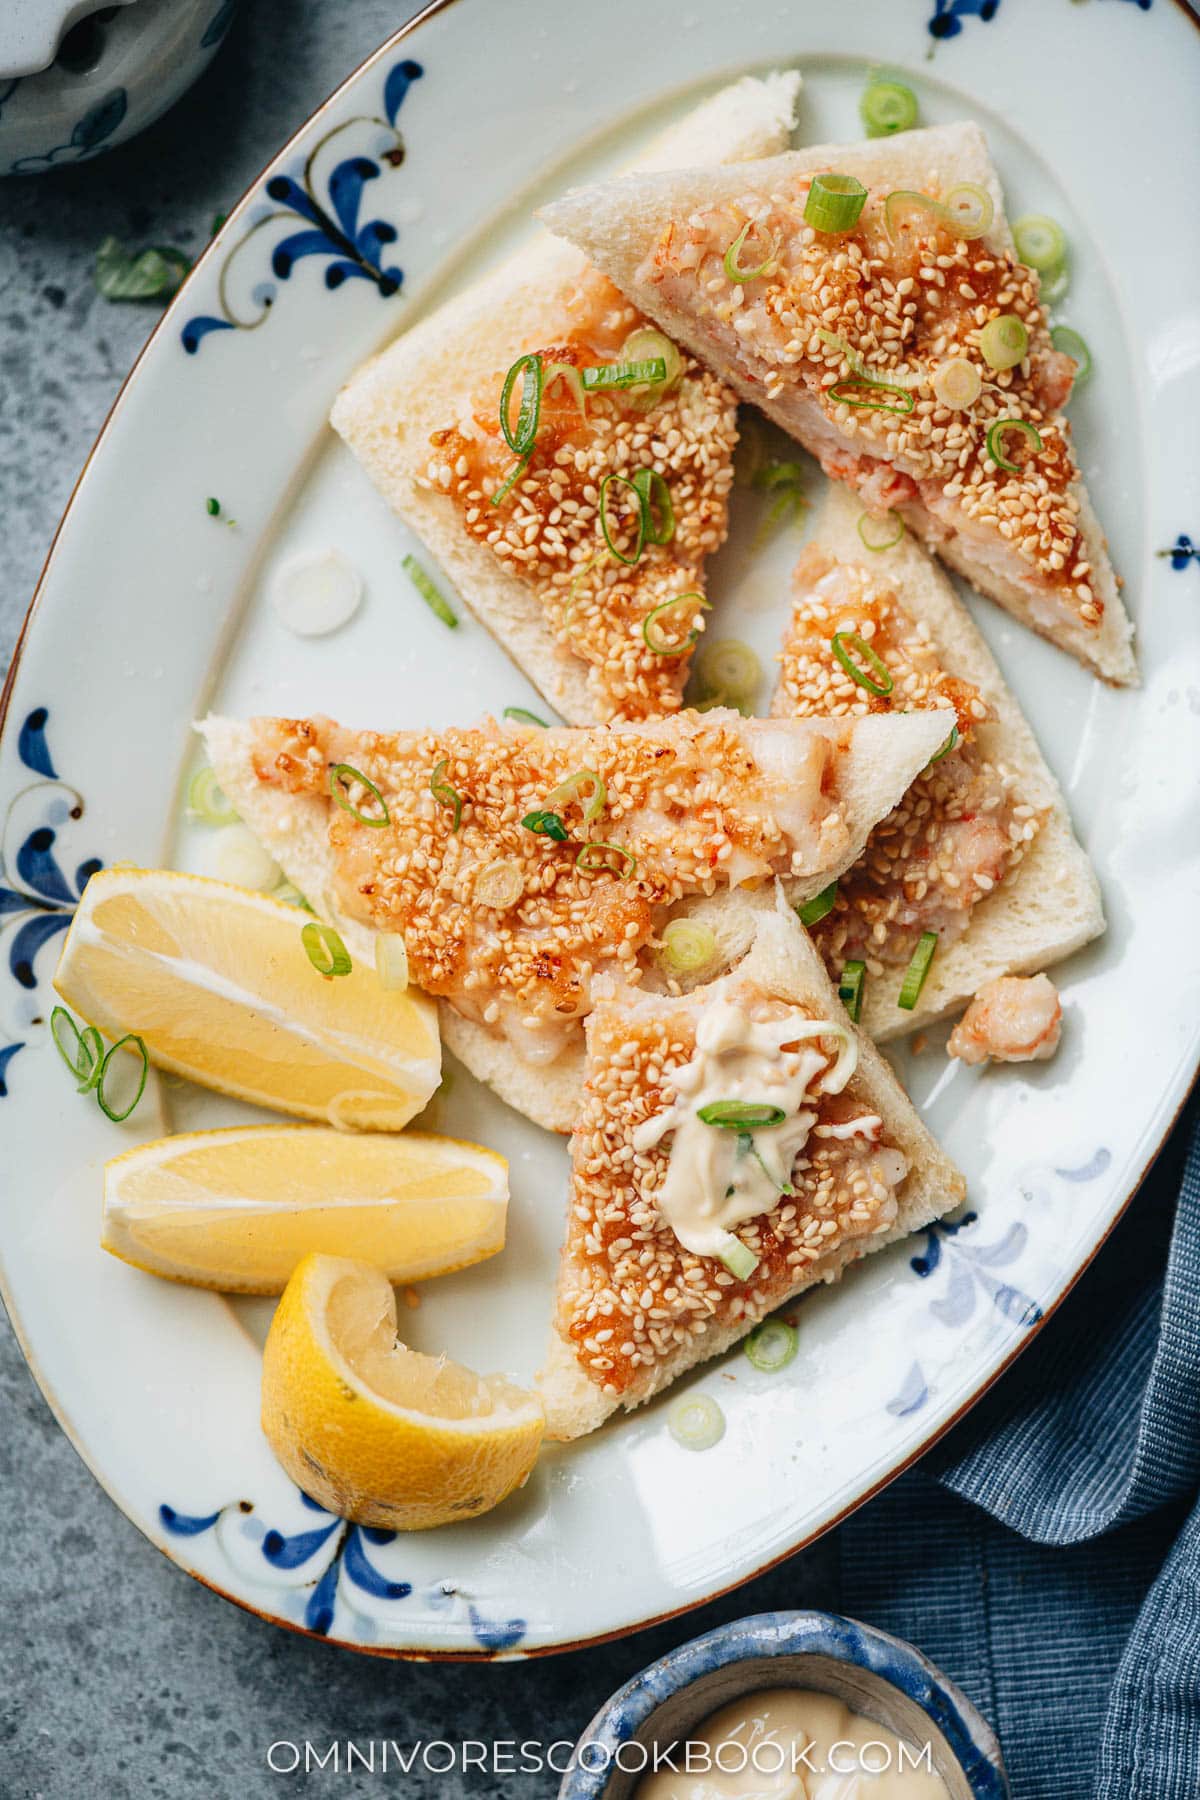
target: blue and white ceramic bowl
876 1675
114 70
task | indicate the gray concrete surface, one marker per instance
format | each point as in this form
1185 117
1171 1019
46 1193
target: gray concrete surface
120 1677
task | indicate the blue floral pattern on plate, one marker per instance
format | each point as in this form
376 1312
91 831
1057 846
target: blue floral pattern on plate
330 228
37 899
948 15
331 1561
1182 552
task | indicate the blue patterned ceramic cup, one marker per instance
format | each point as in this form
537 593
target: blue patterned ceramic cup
876 1675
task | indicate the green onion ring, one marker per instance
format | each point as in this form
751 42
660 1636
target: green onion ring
741 1115
1004 342
844 392
325 950
625 374
985 210
741 1262
87 1057
834 203
772 1345
643 516
996 432
814 910
695 1421
1041 242
441 790
102 1097
645 344
529 414
746 1147
687 946
729 669
656 612
568 373
950 744
430 592
887 107
345 772
941 210
510 480
521 715
1072 345
655 493
546 824
591 865
883 684
734 269
850 987
881 543
918 969
568 790
1055 286
207 801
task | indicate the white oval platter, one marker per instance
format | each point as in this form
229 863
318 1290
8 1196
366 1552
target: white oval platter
150 610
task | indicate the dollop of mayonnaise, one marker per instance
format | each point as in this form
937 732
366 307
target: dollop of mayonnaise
718 1176
793 1744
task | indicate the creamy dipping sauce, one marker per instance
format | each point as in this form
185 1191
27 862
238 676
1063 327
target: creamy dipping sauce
720 1175
794 1744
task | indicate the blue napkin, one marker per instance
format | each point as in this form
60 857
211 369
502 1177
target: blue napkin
1047 1556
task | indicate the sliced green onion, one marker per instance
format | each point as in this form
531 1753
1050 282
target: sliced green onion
150 274
731 669
391 962
647 345
876 678
917 970
775 474
429 591
696 1422
834 203
655 493
441 790
1072 345
1054 287
1003 342
500 885
1041 242
850 987
546 824
950 744
887 107
814 910
625 374
529 368
957 384
967 211
651 637
521 715
102 1099
642 520
733 267
997 432
851 394
340 777
594 857
83 1053
325 950
510 480
212 507
878 534
740 1115
568 790
772 1345
207 801
738 1258
289 895
847 351
687 946
568 373
746 1147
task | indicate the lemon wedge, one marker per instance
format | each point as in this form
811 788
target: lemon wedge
238 1209
378 1433
217 983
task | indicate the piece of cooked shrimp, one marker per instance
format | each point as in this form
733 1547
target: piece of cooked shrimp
1017 1018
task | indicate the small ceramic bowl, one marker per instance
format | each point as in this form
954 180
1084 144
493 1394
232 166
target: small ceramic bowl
115 69
876 1675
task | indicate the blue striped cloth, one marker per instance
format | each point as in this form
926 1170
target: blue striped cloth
1047 1556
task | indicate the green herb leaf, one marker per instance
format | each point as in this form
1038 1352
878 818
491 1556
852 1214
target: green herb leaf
150 274
546 824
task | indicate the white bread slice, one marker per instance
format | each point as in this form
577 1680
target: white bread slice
389 407
619 222
883 756
783 962
1050 905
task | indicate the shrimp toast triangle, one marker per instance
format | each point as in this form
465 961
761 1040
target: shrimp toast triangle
520 864
1001 879
423 418
635 1308
840 337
